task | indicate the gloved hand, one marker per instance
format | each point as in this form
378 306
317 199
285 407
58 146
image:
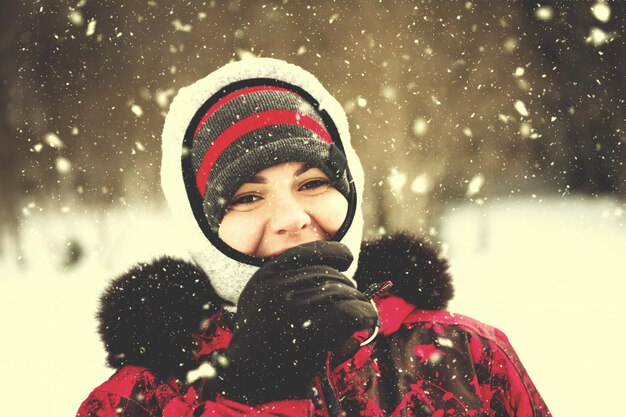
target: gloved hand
294 310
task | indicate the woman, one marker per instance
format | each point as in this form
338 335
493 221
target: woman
268 320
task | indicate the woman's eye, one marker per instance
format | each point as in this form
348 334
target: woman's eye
244 200
315 184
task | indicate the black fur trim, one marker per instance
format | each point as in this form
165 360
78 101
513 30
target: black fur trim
147 315
418 274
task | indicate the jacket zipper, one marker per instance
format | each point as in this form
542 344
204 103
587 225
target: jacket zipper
327 392
326 396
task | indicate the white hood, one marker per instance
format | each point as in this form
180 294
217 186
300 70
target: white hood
229 276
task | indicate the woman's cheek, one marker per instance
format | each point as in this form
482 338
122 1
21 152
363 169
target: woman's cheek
330 211
241 231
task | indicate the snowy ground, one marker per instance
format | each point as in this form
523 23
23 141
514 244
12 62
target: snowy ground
551 276
547 273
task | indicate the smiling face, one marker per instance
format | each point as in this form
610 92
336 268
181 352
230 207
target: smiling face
281 207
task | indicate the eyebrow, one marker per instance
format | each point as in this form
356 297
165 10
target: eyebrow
257 179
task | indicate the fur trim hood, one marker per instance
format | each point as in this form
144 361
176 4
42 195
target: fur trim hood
148 315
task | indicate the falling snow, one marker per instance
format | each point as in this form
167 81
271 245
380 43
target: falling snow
76 18
475 184
421 184
91 28
493 128
63 165
598 37
420 127
544 13
178 25
54 140
205 370
601 11
396 181
137 110
521 108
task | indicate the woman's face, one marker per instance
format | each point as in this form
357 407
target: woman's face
281 207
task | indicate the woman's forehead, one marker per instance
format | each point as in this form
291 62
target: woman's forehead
286 169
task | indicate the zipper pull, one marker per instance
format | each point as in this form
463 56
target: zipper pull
372 291
377 288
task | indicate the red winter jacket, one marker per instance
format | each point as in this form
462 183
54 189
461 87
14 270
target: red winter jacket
422 363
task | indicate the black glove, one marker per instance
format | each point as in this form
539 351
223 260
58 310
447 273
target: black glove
294 310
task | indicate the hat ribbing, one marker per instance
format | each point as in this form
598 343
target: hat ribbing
253 128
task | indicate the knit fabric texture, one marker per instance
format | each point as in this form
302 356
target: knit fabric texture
254 128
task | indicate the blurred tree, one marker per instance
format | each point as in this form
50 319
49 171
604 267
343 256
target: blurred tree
582 43
449 102
10 189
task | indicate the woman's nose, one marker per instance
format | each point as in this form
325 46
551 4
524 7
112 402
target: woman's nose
288 215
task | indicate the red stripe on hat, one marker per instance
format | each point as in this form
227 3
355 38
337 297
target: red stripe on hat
233 96
247 125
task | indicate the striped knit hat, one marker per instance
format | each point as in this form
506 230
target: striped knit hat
252 125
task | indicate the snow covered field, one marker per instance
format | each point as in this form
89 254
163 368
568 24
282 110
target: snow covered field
552 276
548 273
